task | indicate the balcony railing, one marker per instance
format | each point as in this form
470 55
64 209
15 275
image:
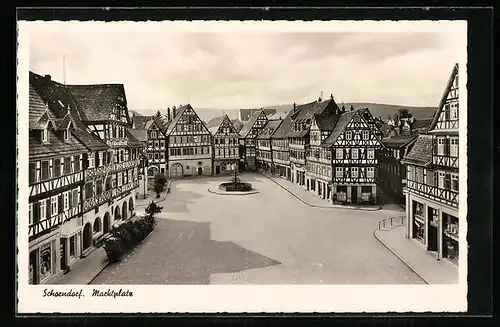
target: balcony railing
442 195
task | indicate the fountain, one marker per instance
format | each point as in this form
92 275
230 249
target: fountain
235 185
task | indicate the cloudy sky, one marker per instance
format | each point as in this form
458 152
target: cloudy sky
161 67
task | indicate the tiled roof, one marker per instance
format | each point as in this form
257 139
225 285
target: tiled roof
139 134
342 122
326 121
421 125
268 129
284 128
246 114
36 107
421 152
64 123
55 148
399 140
97 101
132 140
249 124
305 112
140 121
59 99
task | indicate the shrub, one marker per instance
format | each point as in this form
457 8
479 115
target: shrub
152 209
114 249
159 184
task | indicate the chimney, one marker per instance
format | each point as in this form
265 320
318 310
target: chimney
294 107
173 112
168 114
343 108
331 96
352 107
319 99
48 77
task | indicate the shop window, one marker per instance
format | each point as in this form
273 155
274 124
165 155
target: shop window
45 262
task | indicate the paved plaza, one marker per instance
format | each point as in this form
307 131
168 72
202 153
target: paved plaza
266 238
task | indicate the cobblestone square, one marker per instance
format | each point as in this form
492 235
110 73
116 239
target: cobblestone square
265 238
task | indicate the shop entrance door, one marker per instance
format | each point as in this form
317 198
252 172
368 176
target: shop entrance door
433 238
63 253
354 194
217 170
33 269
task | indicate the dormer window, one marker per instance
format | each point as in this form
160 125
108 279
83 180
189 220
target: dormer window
45 135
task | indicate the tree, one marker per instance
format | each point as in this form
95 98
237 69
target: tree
396 119
152 209
404 113
159 184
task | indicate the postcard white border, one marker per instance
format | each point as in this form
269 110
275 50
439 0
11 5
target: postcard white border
252 298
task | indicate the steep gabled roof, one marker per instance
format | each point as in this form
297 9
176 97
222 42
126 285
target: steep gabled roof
250 123
246 114
399 141
55 147
326 121
37 107
178 114
342 122
139 134
453 74
303 113
97 101
284 128
421 152
140 121
132 140
269 129
213 130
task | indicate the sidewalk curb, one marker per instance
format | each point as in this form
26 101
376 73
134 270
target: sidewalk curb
155 201
107 262
377 208
399 257
233 193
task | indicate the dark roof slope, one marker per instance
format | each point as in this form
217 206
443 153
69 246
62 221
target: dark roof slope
55 147
246 114
326 121
140 121
342 122
421 152
284 128
36 107
97 101
399 140
249 124
269 129
303 113
132 140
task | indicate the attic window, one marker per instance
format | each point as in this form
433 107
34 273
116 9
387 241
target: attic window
45 135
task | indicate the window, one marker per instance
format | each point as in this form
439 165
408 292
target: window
156 143
354 154
76 198
92 160
354 172
53 203
32 173
45 170
120 179
366 135
30 214
370 172
339 172
42 210
447 181
153 135
339 153
454 147
67 165
440 148
98 189
162 143
371 154
348 135
101 160
441 180
89 192
454 182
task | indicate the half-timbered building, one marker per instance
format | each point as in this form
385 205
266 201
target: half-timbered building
189 144
225 147
247 139
111 177
298 137
279 148
432 188
58 148
392 172
354 143
263 149
149 129
319 158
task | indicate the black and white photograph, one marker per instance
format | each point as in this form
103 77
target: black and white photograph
196 166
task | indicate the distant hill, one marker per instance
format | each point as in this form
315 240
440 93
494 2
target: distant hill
377 110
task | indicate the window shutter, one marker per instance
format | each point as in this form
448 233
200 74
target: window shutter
60 204
47 208
447 181
434 146
447 147
36 212
70 199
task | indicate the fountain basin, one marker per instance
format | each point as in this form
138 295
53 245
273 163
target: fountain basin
235 187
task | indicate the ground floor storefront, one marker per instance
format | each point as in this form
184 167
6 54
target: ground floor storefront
225 167
155 169
44 258
354 193
298 175
264 166
190 167
282 171
320 187
434 225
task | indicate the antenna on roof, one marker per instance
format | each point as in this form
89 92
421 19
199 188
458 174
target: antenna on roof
64 70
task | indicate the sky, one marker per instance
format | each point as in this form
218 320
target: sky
161 67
